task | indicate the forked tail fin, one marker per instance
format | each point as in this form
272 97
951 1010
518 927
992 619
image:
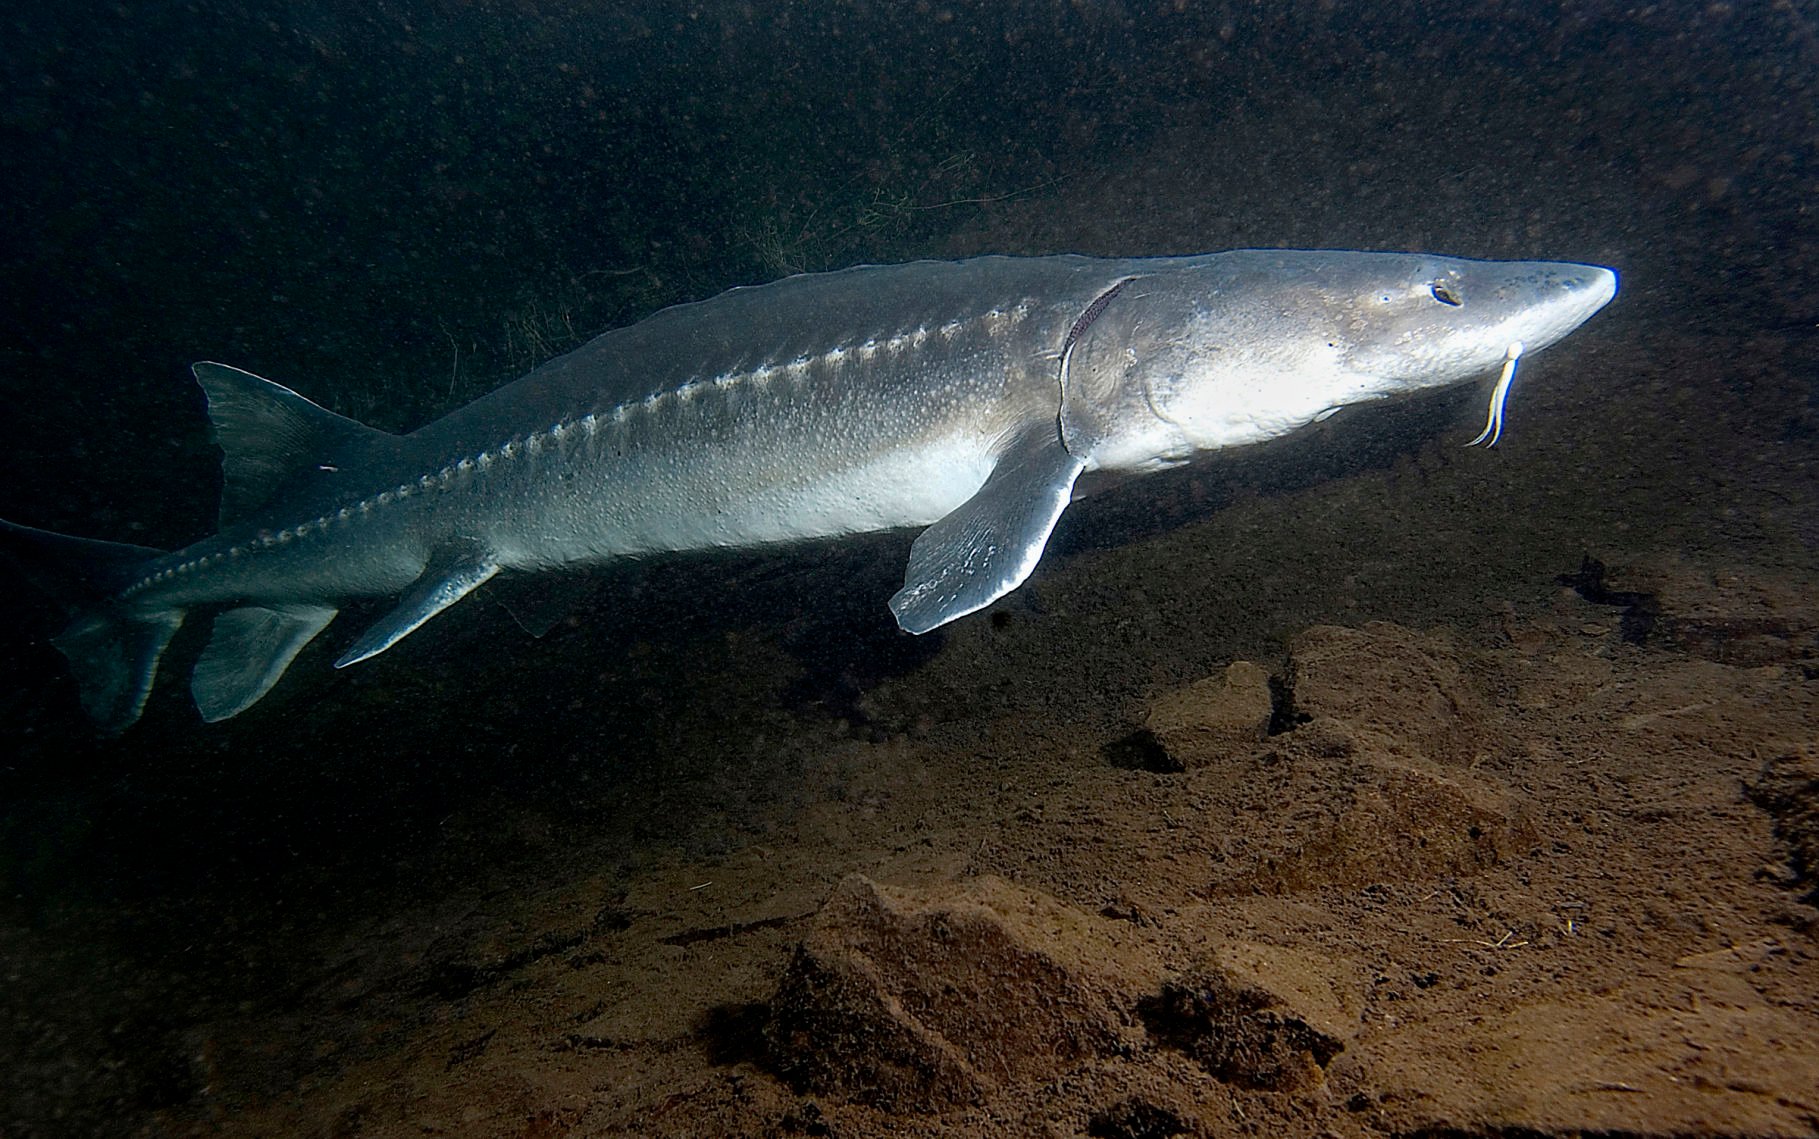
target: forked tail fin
114 655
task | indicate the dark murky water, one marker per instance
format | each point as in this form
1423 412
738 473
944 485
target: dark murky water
395 207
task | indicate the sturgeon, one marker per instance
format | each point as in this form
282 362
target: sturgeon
967 397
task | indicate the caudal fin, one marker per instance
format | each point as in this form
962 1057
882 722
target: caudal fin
114 655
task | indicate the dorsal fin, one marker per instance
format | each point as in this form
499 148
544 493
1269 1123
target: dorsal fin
272 438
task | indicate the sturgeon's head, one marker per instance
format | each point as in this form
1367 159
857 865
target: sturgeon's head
1197 353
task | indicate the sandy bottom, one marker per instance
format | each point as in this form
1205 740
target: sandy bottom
1541 886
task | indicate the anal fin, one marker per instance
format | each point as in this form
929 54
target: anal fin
450 576
248 651
988 545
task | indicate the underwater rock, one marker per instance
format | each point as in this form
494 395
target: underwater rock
1369 775
1788 790
1742 616
916 1002
1214 718
1406 689
1135 1119
1405 824
1259 1016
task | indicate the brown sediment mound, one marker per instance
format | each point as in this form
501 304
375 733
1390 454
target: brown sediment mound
919 1002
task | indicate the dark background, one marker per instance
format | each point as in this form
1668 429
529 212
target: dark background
395 207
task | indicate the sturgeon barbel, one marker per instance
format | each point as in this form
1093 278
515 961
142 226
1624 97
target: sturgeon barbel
966 397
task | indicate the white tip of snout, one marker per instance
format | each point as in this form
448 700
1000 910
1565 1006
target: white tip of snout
1604 285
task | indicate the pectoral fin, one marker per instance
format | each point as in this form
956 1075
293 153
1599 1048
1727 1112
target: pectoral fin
986 547
448 578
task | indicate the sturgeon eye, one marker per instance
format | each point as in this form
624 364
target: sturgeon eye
1443 294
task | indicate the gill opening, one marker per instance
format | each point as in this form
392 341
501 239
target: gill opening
1085 319
1493 423
1080 325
